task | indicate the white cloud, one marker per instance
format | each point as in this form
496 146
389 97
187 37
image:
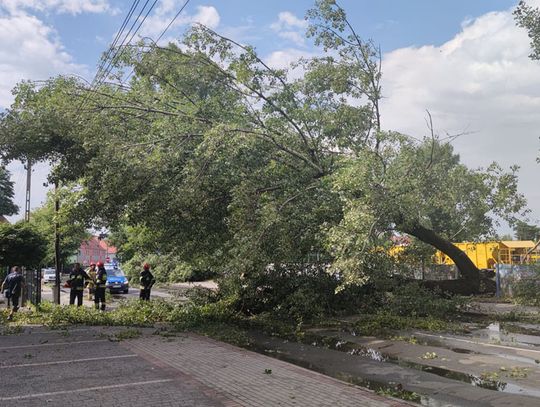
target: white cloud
283 58
206 15
290 28
287 20
481 81
58 6
155 24
29 50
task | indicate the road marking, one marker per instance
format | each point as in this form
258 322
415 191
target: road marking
477 343
98 388
62 362
50 344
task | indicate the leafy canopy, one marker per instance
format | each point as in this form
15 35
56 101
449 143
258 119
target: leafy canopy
21 245
213 156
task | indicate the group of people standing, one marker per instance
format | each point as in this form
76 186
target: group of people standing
95 278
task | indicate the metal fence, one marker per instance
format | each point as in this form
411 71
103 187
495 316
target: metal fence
507 275
437 272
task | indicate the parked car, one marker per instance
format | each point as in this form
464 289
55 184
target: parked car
49 275
116 279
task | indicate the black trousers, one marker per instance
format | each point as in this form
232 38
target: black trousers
15 302
144 294
99 297
75 294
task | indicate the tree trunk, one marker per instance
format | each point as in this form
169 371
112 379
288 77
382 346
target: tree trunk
466 267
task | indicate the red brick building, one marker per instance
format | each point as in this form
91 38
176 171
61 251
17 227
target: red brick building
94 250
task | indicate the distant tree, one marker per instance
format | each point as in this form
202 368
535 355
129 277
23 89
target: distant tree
72 229
524 231
506 236
21 245
7 207
528 17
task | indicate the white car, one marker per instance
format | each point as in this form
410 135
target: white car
49 275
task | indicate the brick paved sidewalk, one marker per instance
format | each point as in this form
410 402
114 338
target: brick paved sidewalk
239 375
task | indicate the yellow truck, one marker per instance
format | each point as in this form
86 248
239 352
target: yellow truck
486 254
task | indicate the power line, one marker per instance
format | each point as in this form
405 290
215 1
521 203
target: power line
104 59
173 20
109 66
103 74
118 34
162 34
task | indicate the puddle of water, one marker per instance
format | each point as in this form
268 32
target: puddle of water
514 389
520 329
389 389
465 351
441 344
355 349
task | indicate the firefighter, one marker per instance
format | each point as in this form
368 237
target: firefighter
147 280
92 281
77 280
12 287
101 286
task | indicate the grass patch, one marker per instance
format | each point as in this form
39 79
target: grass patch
399 394
386 324
129 333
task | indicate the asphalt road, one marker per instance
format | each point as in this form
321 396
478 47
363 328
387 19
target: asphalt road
83 367
47 295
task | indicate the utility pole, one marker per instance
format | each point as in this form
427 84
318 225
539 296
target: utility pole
56 242
28 188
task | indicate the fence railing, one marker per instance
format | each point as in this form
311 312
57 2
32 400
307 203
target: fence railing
508 274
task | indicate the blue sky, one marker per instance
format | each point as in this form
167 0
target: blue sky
463 60
391 23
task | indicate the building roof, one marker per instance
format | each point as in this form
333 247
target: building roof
518 244
105 246
95 242
3 220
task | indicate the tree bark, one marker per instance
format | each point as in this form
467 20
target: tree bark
466 267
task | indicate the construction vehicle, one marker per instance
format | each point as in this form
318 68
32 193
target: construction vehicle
485 255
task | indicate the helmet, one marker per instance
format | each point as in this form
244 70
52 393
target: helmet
146 266
100 264
92 264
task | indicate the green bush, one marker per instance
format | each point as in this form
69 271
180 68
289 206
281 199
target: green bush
166 268
527 291
386 323
296 292
413 300
133 313
128 313
192 316
201 295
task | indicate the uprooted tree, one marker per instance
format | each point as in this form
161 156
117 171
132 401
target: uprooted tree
234 164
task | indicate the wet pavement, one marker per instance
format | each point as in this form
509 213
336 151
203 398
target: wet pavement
490 364
494 365
91 366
